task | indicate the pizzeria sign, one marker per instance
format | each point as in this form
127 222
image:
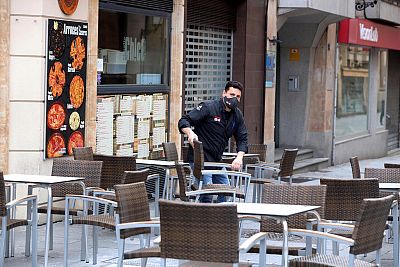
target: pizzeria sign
66 59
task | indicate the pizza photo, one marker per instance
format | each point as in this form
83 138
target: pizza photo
56 79
55 116
74 120
76 91
57 39
77 53
75 140
55 146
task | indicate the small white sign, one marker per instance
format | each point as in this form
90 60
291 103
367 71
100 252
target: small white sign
100 64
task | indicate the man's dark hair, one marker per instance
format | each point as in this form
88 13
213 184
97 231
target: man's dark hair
234 84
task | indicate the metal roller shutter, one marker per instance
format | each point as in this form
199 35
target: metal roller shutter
158 5
214 13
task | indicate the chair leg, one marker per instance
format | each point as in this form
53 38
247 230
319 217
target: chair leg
51 233
66 225
95 245
121 249
163 262
3 240
34 223
143 262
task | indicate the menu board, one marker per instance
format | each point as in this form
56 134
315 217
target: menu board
66 55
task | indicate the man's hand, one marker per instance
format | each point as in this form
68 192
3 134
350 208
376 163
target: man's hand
191 135
238 161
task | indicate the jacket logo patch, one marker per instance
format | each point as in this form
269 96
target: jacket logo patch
199 107
217 118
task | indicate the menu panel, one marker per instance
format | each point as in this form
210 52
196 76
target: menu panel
65 86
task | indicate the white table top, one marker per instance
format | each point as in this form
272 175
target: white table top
234 154
162 163
39 179
275 210
389 186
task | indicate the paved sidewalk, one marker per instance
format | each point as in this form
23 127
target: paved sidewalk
107 255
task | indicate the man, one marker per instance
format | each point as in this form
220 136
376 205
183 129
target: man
214 122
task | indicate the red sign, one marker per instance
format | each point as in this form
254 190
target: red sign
368 33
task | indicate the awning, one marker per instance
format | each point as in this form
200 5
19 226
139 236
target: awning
368 33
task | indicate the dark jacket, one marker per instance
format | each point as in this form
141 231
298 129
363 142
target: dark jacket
214 126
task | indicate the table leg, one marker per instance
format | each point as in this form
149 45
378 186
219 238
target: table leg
13 195
47 235
28 228
396 235
157 197
285 247
165 190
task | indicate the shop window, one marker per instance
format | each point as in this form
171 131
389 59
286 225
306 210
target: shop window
382 82
134 48
352 97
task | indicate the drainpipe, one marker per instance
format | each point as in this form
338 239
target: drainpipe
335 105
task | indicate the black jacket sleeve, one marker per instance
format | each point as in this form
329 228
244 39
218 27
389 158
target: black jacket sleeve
195 116
241 134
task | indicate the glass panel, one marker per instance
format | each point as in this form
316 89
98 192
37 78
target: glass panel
382 79
352 97
134 48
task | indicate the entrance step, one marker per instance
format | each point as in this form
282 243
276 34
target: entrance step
303 153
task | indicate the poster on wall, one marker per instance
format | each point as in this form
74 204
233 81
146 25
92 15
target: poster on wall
66 56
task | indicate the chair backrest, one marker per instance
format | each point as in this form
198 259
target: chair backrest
260 149
287 162
199 232
171 153
180 171
355 167
388 175
198 159
370 225
344 197
133 206
295 195
90 170
3 202
83 153
114 168
138 176
391 165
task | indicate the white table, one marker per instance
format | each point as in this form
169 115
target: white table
394 188
234 154
279 212
43 181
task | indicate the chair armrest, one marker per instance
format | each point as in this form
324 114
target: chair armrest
323 235
157 241
210 191
331 225
98 193
132 225
153 176
18 201
250 218
91 199
232 173
251 241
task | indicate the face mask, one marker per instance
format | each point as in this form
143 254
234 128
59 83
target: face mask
231 103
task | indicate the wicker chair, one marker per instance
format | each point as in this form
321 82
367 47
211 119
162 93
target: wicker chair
387 175
113 169
239 180
355 167
91 170
215 225
131 206
82 153
295 195
8 223
367 236
391 165
171 154
343 202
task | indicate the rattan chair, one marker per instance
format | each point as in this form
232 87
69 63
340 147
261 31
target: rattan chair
355 167
210 235
90 170
367 236
7 222
391 165
343 202
239 181
131 207
82 153
294 195
171 154
387 175
113 169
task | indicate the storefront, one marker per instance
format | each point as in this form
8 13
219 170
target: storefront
133 77
362 84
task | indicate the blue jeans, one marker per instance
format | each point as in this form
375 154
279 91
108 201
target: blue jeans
212 179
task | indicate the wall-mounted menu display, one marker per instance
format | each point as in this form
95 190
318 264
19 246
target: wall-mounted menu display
137 125
66 56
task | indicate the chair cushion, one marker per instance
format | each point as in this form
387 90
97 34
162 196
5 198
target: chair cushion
12 223
105 221
239 193
154 252
325 261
